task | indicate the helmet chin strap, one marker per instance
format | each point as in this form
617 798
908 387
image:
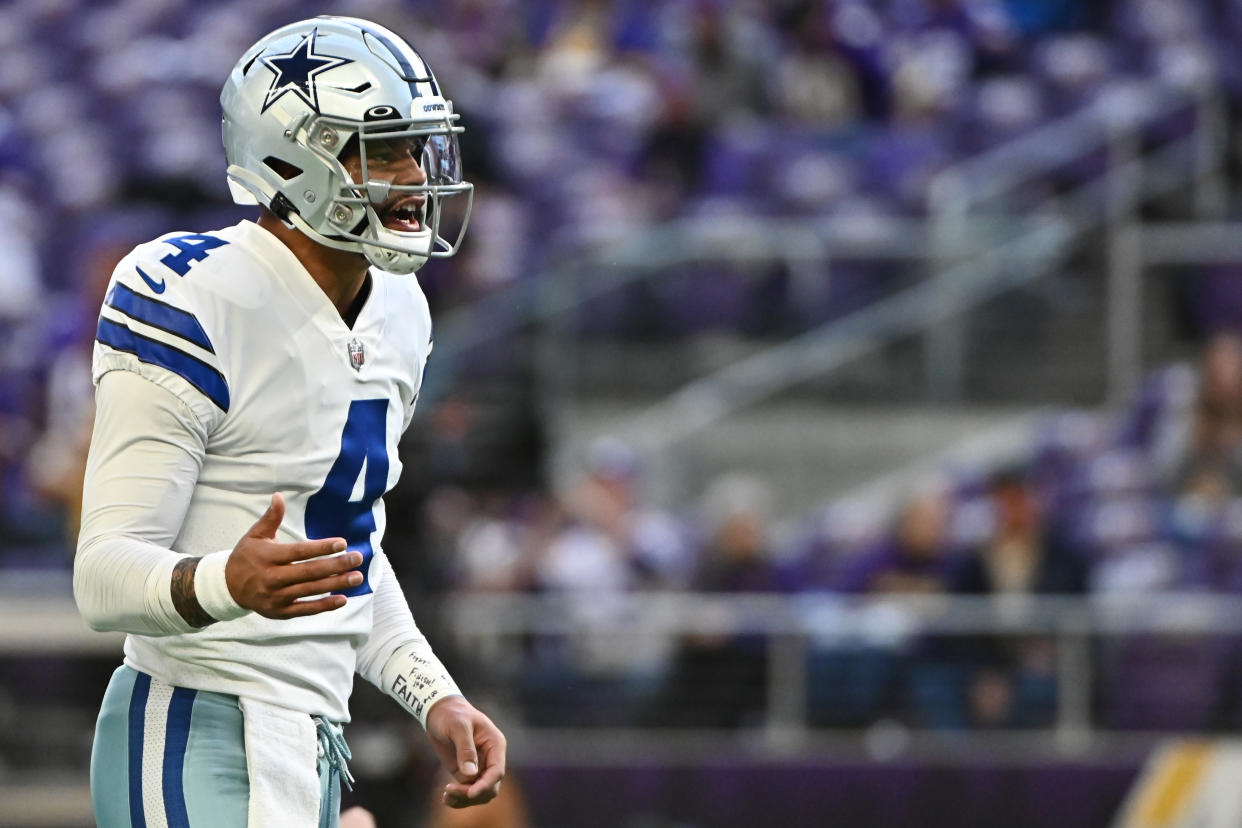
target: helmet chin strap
391 261
401 264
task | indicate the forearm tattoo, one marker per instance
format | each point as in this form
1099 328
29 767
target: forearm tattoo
183 595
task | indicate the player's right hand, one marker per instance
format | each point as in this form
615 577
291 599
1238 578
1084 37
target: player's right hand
270 577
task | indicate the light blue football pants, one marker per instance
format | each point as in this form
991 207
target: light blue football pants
171 756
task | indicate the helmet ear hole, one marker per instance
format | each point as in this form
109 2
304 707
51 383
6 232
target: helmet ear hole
282 168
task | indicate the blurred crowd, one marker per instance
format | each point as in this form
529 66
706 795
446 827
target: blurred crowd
586 122
1145 500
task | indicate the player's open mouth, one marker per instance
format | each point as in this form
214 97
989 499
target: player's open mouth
406 216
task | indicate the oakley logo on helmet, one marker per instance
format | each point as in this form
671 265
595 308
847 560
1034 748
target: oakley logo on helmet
296 71
379 113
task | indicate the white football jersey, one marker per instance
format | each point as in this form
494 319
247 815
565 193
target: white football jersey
292 400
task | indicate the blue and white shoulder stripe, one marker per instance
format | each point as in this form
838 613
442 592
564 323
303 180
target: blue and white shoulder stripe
161 332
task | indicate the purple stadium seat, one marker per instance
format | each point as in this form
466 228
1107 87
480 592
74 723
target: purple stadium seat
1171 683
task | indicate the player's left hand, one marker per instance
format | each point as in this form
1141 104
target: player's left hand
470 747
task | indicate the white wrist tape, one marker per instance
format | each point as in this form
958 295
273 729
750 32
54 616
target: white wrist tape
416 678
212 590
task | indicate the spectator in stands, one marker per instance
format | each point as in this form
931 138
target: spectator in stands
929 78
815 84
1191 422
607 545
852 683
612 542
707 74
915 559
1010 683
1198 448
721 680
737 557
728 60
1024 555
487 550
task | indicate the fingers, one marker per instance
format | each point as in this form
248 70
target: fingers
297 609
284 576
304 550
334 584
467 755
269 522
488 784
491 750
274 578
457 795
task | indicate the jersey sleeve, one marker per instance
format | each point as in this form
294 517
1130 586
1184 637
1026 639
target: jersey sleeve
146 453
392 621
396 657
153 323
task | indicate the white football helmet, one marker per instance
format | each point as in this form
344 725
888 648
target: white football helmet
318 118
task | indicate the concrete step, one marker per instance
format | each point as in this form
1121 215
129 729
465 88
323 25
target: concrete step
808 452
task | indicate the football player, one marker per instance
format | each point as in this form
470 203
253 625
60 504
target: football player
252 385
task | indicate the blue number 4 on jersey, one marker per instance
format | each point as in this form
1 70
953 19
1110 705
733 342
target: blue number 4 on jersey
329 511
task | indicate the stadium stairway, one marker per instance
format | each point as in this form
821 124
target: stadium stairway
808 451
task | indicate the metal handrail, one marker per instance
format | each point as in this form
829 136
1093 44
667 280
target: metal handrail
52 624
952 193
818 352
1191 242
832 617
690 239
744 240
794 626
655 250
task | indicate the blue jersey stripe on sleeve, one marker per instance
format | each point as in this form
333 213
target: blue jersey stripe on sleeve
199 374
137 729
176 738
159 315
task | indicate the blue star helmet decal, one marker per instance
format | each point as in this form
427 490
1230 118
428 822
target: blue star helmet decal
296 71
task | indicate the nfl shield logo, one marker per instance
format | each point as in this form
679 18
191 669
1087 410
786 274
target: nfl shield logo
357 355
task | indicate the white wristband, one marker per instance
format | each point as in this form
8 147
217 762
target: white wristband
212 590
416 678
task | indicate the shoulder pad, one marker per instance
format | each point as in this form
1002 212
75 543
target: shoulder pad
152 323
